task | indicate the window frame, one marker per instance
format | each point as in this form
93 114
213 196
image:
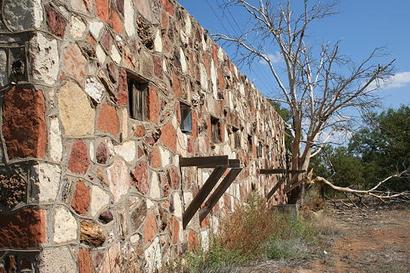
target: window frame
137 98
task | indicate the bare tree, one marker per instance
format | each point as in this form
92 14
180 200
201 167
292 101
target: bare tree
320 86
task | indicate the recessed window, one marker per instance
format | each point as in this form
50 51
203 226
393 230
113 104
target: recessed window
260 150
216 130
236 137
137 99
250 144
186 118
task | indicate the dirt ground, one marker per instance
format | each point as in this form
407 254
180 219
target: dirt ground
371 240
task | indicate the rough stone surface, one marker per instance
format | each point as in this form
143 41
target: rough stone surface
47 179
127 151
25 228
169 136
76 113
92 234
95 28
3 68
85 264
65 226
13 189
57 260
77 27
55 147
153 256
75 64
44 58
55 21
107 120
140 177
106 217
79 160
99 200
119 179
81 199
24 125
94 89
129 20
23 14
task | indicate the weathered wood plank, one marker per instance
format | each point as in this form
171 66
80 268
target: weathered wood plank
234 163
279 171
204 162
202 194
218 193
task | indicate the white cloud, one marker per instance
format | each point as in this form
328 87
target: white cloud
275 58
396 81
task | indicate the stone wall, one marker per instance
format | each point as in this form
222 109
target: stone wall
83 186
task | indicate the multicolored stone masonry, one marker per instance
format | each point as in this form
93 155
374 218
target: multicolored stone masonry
99 100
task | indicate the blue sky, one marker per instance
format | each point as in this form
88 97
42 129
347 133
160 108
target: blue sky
360 26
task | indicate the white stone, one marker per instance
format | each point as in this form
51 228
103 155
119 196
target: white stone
153 256
22 15
78 5
129 21
3 68
94 89
188 24
119 179
99 200
205 240
45 59
57 260
124 122
242 89
215 224
188 197
65 226
154 190
92 152
213 80
111 261
220 55
158 41
95 29
182 59
127 150
166 157
115 54
47 179
77 27
100 53
203 77
176 199
55 145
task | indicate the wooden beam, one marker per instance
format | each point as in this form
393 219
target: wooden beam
218 193
279 171
202 195
275 188
234 163
204 162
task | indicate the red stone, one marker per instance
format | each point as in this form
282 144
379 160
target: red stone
139 131
116 22
155 157
120 6
164 20
174 177
84 261
194 124
158 71
25 228
193 242
101 153
153 105
122 96
103 9
79 160
169 137
168 7
24 124
176 85
174 230
140 177
106 40
107 120
55 22
150 229
81 198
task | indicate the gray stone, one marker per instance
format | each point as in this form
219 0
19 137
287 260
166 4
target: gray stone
57 260
45 60
22 14
65 226
3 68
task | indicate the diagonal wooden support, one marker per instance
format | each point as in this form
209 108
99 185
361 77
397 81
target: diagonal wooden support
202 194
217 194
204 162
276 187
